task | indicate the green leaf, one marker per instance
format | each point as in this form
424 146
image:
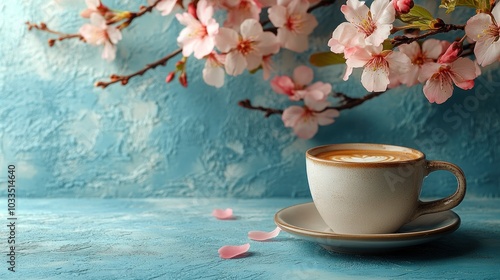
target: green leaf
387 45
326 58
418 17
450 5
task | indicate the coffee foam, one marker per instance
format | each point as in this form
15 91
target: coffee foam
360 156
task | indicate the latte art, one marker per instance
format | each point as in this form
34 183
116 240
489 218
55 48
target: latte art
360 156
363 158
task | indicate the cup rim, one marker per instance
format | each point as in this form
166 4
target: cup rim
312 152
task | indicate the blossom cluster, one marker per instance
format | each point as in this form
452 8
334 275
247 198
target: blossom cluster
251 32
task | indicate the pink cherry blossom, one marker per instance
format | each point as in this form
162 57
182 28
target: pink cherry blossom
199 34
484 29
365 26
299 86
377 66
241 10
294 23
99 33
403 6
213 73
429 52
165 6
247 48
94 6
305 120
441 77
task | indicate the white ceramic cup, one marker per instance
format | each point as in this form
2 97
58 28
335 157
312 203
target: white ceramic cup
364 194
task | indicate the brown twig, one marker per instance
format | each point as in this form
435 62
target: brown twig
62 36
133 15
350 102
268 111
347 103
125 79
443 28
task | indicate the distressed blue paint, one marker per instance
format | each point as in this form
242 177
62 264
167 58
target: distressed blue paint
150 139
178 239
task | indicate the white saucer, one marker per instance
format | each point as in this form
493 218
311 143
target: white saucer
304 221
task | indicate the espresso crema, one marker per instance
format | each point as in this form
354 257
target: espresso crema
367 156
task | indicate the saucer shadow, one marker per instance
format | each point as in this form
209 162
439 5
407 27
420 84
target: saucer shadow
460 243
454 245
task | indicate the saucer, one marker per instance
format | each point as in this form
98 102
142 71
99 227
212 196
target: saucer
304 221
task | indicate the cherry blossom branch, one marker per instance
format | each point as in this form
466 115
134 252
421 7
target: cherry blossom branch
62 36
443 28
133 15
125 79
350 102
247 104
347 103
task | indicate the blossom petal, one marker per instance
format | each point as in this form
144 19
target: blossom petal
213 76
204 11
263 235
412 50
268 43
226 39
235 63
375 79
109 51
438 89
345 36
306 128
292 115
203 47
432 48
303 75
327 117
277 15
251 29
229 252
355 11
383 12
223 214
428 70
98 20
282 85
496 13
464 73
487 51
398 62
477 26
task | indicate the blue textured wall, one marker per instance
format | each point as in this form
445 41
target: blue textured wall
149 138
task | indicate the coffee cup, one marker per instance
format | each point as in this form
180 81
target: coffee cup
374 188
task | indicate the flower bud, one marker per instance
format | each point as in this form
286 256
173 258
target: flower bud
452 53
192 10
170 77
403 6
183 79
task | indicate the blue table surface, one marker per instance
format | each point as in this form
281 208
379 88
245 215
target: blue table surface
179 239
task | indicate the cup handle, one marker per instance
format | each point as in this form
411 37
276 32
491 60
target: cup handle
448 202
